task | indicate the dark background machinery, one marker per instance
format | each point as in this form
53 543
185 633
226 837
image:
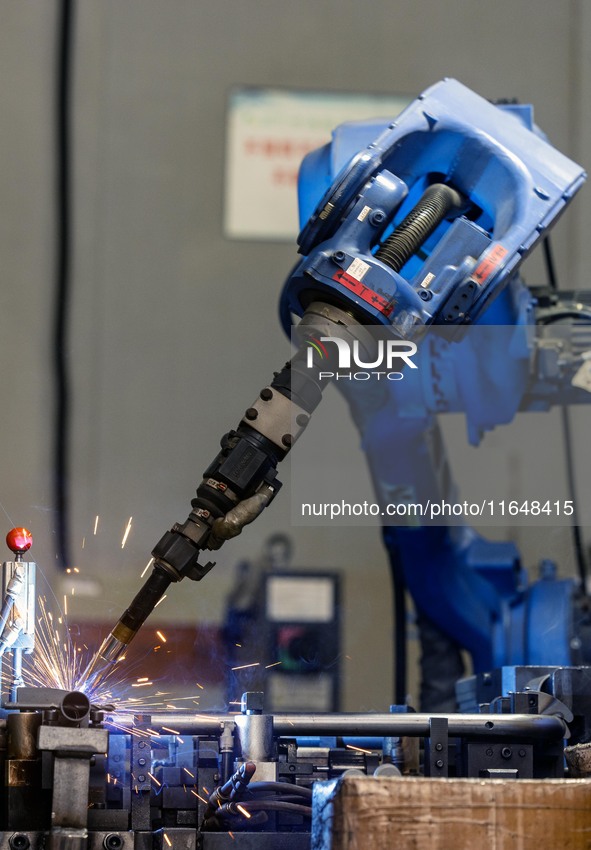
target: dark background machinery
289 620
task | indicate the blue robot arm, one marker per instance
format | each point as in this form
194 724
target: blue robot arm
425 222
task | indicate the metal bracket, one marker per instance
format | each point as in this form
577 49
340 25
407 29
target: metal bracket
436 748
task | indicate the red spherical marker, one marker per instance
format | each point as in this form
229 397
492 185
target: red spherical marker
19 540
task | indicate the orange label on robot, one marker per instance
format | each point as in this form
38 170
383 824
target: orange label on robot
491 260
377 301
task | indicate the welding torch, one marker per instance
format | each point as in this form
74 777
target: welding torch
236 486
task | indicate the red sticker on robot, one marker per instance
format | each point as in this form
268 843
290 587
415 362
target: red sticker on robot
377 301
493 257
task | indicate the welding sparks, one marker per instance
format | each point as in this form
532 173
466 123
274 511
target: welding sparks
96 522
358 749
174 731
199 797
243 811
167 839
244 666
56 663
147 567
126 533
160 600
274 664
161 636
137 732
59 663
181 699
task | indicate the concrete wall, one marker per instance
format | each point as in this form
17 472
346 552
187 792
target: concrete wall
167 320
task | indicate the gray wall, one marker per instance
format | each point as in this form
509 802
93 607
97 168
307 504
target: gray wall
168 316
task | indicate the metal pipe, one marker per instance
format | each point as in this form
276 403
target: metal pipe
372 725
255 732
21 731
17 672
5 611
75 706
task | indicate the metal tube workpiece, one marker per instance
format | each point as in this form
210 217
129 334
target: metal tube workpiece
531 726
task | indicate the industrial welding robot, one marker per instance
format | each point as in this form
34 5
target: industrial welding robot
422 226
416 241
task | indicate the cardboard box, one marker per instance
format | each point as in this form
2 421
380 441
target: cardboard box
363 813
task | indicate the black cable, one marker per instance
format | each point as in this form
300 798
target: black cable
579 550
266 786
266 805
549 260
566 313
62 281
578 547
400 636
278 798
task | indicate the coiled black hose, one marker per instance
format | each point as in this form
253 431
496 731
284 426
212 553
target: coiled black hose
264 805
268 787
437 202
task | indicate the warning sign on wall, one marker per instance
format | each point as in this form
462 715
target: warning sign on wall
269 131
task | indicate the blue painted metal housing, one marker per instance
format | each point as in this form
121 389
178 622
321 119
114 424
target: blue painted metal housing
514 184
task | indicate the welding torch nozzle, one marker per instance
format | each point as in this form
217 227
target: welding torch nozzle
114 646
110 652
